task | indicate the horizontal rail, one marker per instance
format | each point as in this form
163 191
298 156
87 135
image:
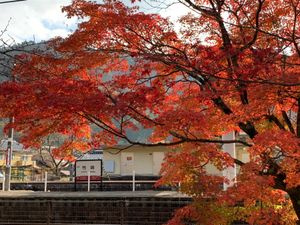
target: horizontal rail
72 182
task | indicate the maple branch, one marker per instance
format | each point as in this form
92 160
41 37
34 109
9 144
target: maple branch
274 119
153 144
248 128
145 117
201 166
52 159
218 101
157 45
250 43
294 27
260 81
185 140
238 162
135 111
232 59
146 79
208 140
98 122
298 118
201 9
260 30
43 161
111 130
58 163
119 149
221 105
182 138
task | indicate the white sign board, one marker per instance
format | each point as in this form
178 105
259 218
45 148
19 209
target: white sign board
84 168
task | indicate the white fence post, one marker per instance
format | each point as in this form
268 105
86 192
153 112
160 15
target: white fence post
133 180
3 182
46 180
89 180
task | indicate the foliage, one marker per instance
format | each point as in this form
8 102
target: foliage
229 65
56 152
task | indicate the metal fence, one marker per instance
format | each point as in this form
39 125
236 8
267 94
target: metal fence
57 186
25 174
50 212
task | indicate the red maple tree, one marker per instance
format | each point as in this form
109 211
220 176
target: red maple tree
230 65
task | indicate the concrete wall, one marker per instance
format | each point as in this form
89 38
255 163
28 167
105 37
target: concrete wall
82 209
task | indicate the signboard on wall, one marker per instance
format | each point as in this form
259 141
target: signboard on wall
85 168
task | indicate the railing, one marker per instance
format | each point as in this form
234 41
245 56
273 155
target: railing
112 185
66 211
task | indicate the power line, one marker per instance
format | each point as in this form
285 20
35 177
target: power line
11 1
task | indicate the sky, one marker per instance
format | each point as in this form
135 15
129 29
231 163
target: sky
34 20
40 20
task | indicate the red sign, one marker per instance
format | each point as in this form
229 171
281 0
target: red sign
85 178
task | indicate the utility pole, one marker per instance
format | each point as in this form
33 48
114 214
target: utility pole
10 140
9 156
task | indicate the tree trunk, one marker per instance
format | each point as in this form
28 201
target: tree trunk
294 194
57 172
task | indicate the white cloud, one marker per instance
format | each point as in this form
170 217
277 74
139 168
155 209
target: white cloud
42 19
167 8
35 19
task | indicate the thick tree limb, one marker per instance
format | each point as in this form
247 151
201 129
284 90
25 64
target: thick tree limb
288 121
298 118
275 120
248 128
219 141
253 40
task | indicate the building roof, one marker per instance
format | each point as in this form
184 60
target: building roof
93 155
16 146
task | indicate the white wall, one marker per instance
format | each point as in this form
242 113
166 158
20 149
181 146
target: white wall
230 172
142 156
144 163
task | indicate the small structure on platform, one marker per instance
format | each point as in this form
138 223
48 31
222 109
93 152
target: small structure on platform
88 170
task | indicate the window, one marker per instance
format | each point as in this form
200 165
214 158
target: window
92 167
83 167
109 166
